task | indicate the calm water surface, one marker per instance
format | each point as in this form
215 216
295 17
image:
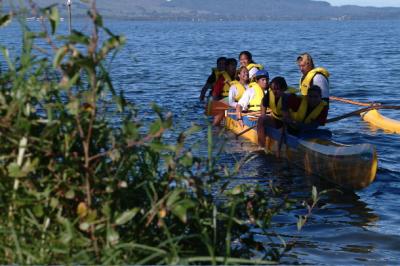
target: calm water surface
168 62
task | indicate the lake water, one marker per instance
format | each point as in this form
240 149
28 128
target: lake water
168 63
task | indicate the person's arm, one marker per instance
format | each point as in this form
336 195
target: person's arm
252 72
244 101
210 80
204 91
239 115
323 83
285 107
232 95
264 104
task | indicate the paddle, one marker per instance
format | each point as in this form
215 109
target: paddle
363 110
246 130
334 98
215 107
250 128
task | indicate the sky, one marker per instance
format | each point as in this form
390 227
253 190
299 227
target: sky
378 3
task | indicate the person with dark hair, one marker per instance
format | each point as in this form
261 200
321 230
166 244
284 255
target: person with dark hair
273 100
252 97
246 59
305 113
221 88
312 76
238 86
213 77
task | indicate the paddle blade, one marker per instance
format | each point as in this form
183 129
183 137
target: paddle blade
214 108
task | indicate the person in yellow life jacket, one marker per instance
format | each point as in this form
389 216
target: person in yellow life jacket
221 88
252 97
213 77
238 86
305 113
272 101
246 59
312 76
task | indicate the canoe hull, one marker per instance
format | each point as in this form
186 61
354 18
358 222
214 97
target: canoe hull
351 167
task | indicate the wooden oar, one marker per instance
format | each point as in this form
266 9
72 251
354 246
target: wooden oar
363 110
334 98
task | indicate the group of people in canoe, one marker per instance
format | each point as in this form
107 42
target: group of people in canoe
248 89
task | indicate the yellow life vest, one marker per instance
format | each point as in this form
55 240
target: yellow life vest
239 88
252 65
300 115
255 103
225 90
275 108
305 82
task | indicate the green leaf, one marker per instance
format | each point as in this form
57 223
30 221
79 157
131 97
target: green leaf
70 194
38 210
314 194
60 54
301 222
54 17
5 20
84 226
73 107
14 170
115 155
76 37
112 236
126 216
175 196
54 202
180 209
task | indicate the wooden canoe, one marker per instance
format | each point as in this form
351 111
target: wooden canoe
378 120
351 167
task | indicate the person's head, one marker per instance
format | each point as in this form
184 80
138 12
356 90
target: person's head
245 58
230 66
221 63
314 96
262 78
278 86
243 74
305 63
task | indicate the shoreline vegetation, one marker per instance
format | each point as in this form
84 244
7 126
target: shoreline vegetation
78 189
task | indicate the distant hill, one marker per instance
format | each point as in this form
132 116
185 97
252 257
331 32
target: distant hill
229 10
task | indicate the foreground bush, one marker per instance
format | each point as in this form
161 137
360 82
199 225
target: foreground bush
77 187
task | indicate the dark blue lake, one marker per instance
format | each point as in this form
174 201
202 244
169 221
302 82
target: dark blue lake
168 63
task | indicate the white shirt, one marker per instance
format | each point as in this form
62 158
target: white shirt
248 95
233 92
252 72
323 83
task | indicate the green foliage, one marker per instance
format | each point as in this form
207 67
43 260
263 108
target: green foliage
77 189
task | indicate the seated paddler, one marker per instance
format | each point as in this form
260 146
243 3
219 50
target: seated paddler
221 87
272 101
238 86
213 77
246 59
252 97
302 114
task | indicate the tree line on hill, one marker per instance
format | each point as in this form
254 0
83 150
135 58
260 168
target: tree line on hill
230 10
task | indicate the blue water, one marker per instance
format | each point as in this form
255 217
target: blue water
168 62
